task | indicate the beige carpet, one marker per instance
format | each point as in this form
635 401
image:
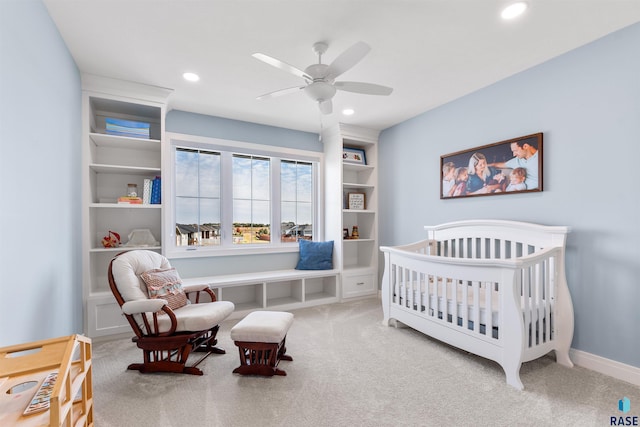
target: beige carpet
350 370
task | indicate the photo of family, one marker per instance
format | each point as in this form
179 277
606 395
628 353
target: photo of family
512 166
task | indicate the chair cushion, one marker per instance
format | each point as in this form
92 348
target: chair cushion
315 255
129 266
197 317
165 283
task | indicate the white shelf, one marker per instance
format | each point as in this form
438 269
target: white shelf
358 211
116 141
354 185
126 248
124 206
353 241
119 169
355 167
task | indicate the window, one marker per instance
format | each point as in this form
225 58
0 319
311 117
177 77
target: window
234 197
296 189
197 197
251 199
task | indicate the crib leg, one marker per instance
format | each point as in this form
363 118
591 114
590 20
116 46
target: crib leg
562 357
513 375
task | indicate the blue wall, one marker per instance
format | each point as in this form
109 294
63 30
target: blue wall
587 104
40 105
236 130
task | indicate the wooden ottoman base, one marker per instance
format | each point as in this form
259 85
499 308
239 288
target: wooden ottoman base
261 358
261 338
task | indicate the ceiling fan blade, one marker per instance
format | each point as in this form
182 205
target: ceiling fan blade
326 107
364 88
348 59
282 65
280 92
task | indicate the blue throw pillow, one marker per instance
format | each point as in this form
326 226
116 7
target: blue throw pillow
315 255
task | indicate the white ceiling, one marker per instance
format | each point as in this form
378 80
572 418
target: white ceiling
429 51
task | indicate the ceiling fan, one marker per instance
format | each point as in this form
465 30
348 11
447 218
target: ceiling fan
320 78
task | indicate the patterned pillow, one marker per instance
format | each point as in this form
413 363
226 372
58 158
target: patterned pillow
165 284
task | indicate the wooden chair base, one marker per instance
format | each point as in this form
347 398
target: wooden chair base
259 358
171 354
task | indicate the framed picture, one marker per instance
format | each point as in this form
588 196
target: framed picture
505 167
354 155
356 201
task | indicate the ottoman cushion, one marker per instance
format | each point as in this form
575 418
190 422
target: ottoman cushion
262 326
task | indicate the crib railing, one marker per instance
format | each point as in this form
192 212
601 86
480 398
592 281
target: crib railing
487 288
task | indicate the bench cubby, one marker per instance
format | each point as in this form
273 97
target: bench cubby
274 290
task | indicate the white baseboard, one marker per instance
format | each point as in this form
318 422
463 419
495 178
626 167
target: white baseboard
617 370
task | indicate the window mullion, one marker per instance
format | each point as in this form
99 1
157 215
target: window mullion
276 214
226 198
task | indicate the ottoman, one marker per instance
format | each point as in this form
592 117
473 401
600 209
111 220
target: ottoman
260 338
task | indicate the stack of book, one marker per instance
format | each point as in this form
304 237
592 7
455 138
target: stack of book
128 128
126 200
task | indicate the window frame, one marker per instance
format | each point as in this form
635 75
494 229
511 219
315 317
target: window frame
227 148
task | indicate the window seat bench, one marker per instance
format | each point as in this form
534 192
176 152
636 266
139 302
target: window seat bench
273 290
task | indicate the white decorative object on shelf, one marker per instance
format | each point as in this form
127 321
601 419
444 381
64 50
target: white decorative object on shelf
141 238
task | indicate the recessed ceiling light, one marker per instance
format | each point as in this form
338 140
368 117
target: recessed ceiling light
191 77
348 111
514 10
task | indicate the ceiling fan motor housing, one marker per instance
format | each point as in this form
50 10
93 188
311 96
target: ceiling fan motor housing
320 91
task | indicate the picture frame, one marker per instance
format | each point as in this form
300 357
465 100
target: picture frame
513 166
356 201
354 155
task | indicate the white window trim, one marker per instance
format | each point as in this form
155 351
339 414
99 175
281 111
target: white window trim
170 250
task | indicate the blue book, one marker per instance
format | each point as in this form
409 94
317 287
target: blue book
126 128
156 191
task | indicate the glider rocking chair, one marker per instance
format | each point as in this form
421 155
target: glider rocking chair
169 321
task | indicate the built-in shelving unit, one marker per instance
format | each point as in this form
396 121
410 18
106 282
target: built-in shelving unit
110 163
357 258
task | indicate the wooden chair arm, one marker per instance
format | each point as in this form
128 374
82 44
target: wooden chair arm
199 289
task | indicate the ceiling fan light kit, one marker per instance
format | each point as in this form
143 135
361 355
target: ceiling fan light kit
320 78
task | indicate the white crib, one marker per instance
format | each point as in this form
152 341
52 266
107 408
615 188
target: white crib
491 287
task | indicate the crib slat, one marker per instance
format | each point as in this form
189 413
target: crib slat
443 292
548 297
454 300
476 306
394 281
537 314
488 309
411 286
526 295
465 305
